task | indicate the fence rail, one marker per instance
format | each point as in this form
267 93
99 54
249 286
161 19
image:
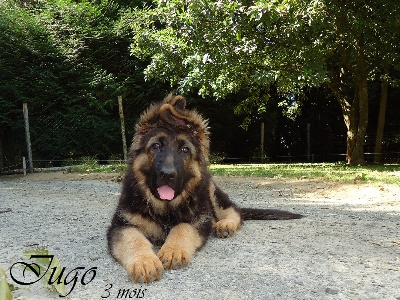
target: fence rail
38 135
34 132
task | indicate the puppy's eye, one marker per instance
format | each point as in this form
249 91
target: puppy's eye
185 149
156 146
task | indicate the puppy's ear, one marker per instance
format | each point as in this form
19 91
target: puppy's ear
178 102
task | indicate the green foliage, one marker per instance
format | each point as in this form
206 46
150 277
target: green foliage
68 60
222 47
217 157
90 165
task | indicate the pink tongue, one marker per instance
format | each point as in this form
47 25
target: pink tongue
165 192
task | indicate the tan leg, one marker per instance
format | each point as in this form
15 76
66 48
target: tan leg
228 220
180 246
134 252
228 223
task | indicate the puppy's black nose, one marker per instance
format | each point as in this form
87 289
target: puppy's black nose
168 173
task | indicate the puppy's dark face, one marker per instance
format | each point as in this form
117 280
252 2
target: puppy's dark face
169 156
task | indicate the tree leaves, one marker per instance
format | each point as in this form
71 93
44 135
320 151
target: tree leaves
68 60
291 44
290 39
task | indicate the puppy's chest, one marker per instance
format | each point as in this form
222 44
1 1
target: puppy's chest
196 215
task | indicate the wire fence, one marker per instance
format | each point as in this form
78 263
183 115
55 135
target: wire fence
59 141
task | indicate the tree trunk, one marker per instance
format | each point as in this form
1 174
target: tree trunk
356 128
381 119
355 147
1 154
262 142
355 113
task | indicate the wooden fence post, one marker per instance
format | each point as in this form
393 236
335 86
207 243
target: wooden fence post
309 143
121 116
1 155
28 137
262 142
24 165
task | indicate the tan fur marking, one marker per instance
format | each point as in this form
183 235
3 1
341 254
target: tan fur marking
228 220
148 227
229 213
172 110
180 246
140 161
174 99
131 243
211 194
135 253
228 223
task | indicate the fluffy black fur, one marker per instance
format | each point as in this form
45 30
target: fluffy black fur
170 149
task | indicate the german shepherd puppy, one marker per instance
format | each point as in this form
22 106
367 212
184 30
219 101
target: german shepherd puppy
168 196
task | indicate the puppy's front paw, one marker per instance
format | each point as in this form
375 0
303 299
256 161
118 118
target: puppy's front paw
226 228
146 268
173 257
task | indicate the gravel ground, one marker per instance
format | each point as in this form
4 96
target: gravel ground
347 246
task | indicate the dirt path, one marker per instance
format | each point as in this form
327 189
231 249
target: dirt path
347 246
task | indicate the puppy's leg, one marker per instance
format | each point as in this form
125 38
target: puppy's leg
228 223
180 246
228 219
134 252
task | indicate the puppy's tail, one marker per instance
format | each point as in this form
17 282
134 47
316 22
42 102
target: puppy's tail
267 214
